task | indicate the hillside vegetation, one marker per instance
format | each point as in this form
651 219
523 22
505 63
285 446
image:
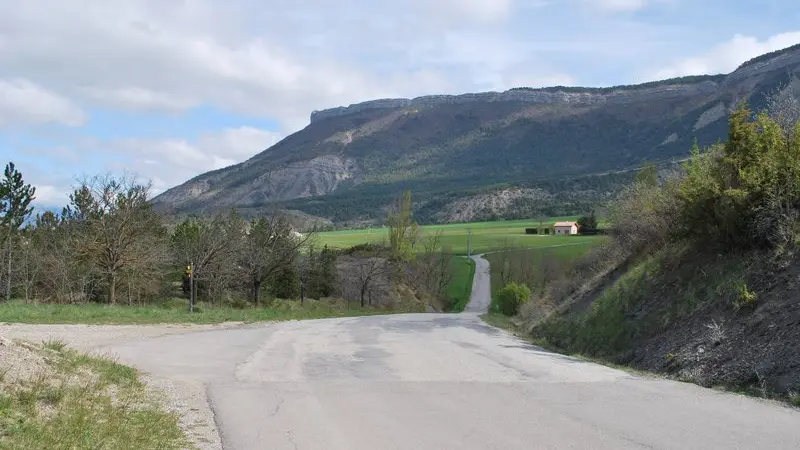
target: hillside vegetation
108 257
700 277
513 154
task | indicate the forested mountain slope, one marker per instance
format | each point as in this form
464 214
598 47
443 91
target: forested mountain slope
551 150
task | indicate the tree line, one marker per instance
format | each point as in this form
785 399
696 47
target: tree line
108 245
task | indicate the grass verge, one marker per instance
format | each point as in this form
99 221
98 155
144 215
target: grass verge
69 400
175 311
504 322
460 288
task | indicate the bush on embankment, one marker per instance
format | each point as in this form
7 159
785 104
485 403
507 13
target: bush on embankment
699 279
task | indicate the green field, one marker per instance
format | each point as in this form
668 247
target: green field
536 267
486 236
532 258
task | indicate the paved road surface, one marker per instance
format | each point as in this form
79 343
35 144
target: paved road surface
438 382
481 287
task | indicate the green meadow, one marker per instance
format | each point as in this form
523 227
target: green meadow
530 258
486 236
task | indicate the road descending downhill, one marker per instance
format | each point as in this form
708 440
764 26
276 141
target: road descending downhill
481 296
433 382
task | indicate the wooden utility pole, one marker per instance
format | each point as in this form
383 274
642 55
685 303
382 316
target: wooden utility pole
191 287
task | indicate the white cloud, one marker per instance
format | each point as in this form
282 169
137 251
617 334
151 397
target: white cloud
168 162
623 6
23 102
725 57
480 11
51 196
619 5
140 99
277 61
60 154
164 162
239 143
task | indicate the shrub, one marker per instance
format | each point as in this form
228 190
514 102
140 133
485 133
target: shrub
744 193
237 302
643 216
744 297
511 297
366 249
716 333
588 222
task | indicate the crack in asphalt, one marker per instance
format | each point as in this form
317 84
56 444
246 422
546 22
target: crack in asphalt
290 436
278 406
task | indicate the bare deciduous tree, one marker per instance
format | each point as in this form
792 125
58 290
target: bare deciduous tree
433 270
271 243
783 105
28 264
368 272
121 232
212 247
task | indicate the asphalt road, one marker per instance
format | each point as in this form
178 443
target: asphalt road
481 287
436 381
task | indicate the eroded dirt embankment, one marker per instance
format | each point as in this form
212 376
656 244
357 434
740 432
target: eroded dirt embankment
716 320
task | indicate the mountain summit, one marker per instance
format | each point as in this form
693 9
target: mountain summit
465 156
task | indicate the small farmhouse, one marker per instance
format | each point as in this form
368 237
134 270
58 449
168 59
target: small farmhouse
562 228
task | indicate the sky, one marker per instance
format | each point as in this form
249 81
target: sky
168 89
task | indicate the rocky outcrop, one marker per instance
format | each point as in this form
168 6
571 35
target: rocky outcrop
496 203
533 96
710 116
317 176
670 139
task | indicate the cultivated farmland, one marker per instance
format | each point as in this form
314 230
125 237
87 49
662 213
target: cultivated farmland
486 236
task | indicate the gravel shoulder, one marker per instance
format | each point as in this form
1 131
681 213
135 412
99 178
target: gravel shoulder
184 396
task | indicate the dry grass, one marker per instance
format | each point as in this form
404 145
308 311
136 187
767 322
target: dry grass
69 400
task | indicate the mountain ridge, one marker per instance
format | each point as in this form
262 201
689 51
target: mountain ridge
546 95
349 162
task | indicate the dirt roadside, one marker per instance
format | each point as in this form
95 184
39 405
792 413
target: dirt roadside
185 397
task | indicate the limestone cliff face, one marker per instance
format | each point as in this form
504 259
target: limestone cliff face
315 177
694 86
533 96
